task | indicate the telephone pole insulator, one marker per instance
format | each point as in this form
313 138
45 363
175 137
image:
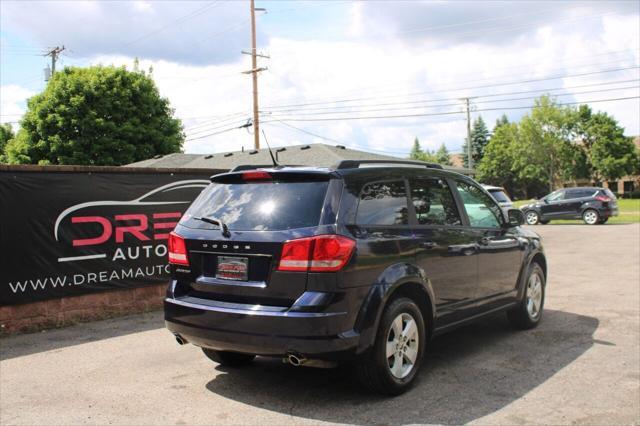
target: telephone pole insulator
54 53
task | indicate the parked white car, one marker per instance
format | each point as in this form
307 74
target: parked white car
500 195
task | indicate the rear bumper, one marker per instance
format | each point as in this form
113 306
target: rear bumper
607 212
231 327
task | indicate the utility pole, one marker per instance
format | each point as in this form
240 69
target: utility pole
254 71
469 150
54 53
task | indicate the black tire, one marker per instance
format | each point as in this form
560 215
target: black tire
521 316
603 221
544 222
374 370
531 217
228 359
590 217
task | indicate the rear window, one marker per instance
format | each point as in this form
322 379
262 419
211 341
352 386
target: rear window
383 203
272 206
499 195
609 194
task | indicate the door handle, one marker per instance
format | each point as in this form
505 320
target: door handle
428 245
484 241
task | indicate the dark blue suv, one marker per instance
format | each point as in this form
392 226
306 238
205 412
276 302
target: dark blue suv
363 263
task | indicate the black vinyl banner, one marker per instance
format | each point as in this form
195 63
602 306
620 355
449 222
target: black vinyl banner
71 233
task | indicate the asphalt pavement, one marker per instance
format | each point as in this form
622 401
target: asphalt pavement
581 365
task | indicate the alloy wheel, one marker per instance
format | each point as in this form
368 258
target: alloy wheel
534 296
402 345
590 217
532 218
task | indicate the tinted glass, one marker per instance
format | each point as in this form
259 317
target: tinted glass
555 196
609 193
259 206
572 193
383 203
499 196
579 193
482 210
433 202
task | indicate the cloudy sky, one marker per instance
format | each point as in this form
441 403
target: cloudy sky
368 75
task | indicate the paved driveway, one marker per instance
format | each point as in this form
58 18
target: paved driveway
582 365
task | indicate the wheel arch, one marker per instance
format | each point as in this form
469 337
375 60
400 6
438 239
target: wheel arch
535 257
414 286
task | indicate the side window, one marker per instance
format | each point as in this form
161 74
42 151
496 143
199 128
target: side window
556 196
569 194
383 203
483 212
433 202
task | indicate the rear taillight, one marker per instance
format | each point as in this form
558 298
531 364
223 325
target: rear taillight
177 250
602 198
322 253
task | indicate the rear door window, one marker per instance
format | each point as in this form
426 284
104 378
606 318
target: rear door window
482 210
433 202
264 206
383 203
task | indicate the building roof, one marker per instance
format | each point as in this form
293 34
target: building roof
315 155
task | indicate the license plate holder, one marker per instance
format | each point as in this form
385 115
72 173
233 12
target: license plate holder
233 268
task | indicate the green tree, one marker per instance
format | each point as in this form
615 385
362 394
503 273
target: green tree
442 156
479 140
96 116
500 122
416 151
6 134
497 166
545 153
606 153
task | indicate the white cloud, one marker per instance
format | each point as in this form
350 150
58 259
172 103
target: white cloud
388 72
12 102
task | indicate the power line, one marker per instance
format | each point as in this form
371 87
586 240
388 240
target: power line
421 101
304 112
337 141
189 15
328 100
531 80
220 121
445 113
221 126
217 133
283 120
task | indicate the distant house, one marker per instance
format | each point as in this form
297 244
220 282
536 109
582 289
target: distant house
626 184
456 160
318 155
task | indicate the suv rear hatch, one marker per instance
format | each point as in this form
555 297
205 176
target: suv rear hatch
608 200
235 231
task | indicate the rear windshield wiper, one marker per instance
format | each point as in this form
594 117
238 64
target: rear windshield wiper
214 221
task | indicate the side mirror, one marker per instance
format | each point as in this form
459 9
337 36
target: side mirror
515 217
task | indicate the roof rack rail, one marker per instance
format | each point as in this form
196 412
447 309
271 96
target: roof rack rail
243 167
354 164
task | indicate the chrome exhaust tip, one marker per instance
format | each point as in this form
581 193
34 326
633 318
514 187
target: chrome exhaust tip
296 360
